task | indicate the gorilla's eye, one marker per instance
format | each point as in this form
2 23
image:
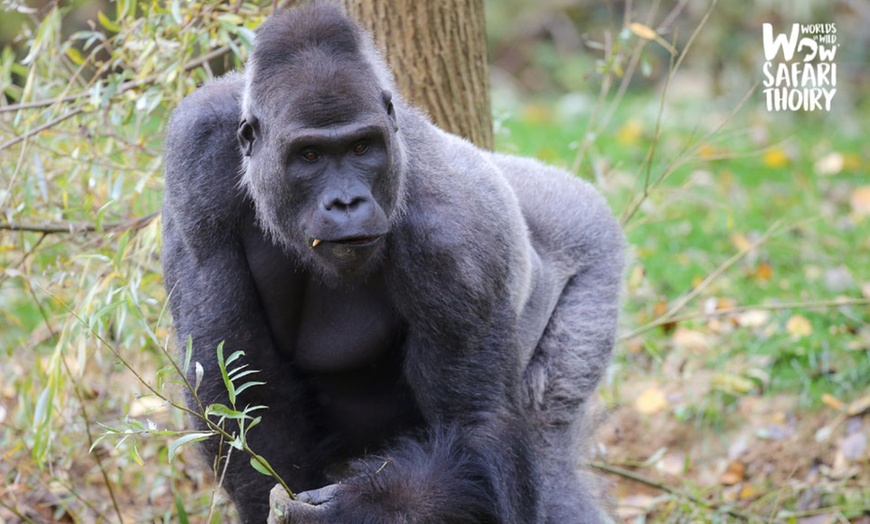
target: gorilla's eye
310 155
360 148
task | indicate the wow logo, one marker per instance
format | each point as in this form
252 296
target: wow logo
808 84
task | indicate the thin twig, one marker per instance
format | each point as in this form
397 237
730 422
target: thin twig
637 477
80 228
16 512
688 297
632 208
7 274
819 304
41 128
83 411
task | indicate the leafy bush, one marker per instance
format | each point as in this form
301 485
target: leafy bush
80 289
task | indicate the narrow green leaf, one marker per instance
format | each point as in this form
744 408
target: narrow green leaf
186 439
107 23
75 55
162 373
219 410
126 9
182 513
258 465
175 9
235 371
247 385
188 354
135 425
134 454
98 440
222 364
235 356
254 422
43 407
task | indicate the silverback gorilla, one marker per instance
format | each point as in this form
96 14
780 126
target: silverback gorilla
430 319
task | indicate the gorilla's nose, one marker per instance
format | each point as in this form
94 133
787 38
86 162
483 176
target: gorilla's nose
347 211
344 203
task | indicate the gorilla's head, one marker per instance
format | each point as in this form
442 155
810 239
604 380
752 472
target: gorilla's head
323 159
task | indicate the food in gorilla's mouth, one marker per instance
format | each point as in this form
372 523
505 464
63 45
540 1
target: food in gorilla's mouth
349 241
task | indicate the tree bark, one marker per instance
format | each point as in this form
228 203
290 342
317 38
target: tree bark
437 50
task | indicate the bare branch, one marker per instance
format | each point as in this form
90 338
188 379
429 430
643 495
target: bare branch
724 312
637 477
77 228
41 128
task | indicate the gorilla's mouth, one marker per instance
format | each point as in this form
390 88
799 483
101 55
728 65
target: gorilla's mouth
355 241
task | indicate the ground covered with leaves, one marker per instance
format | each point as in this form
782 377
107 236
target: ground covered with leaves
740 387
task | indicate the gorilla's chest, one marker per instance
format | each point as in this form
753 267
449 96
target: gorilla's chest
344 330
324 330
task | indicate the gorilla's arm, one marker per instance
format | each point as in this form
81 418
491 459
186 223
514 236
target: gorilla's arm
212 294
580 242
579 239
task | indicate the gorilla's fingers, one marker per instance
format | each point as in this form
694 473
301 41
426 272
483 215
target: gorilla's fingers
318 496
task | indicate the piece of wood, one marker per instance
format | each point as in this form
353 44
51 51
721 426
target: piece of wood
437 50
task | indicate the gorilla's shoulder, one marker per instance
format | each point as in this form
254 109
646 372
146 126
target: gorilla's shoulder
202 156
211 110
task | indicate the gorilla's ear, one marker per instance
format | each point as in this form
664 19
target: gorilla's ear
387 98
247 133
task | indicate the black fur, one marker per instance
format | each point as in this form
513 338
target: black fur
430 319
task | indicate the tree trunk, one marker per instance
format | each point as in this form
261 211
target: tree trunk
437 50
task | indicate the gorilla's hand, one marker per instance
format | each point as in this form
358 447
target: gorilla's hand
310 507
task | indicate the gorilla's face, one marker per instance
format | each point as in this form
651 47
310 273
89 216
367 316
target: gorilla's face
321 169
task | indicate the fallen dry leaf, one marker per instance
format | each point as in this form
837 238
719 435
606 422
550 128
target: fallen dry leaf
830 164
734 384
734 473
672 464
690 340
753 318
636 277
659 310
832 402
774 157
651 401
740 242
630 133
635 506
642 31
798 326
707 150
859 406
648 33
860 201
764 271
750 492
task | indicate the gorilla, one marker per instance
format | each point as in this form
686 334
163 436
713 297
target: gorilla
429 319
